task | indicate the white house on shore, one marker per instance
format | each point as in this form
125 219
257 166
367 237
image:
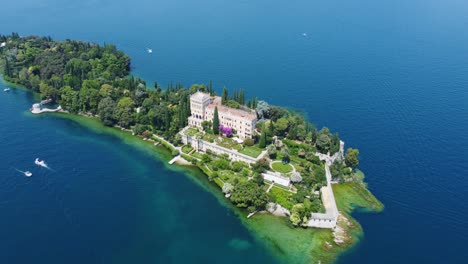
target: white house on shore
202 107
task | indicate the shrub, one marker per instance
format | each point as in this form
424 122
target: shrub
174 152
248 142
301 153
237 166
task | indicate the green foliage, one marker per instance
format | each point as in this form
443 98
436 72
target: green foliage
340 172
323 140
312 158
106 109
248 142
221 164
90 78
298 214
282 167
261 165
285 153
232 104
206 125
282 197
271 149
237 166
352 157
206 158
262 141
139 129
249 195
281 126
252 151
216 121
225 96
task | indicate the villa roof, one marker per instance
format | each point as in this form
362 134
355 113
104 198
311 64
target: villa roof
199 96
249 115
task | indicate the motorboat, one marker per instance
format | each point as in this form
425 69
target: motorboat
6 89
40 163
28 173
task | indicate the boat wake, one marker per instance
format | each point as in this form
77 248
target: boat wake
26 173
42 164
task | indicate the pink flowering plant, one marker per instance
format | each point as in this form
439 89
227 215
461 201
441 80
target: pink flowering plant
227 131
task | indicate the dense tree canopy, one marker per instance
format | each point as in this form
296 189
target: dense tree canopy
249 195
352 157
90 78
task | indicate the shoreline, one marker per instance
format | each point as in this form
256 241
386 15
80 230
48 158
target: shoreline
287 244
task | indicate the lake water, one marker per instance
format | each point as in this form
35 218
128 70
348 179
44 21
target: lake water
390 76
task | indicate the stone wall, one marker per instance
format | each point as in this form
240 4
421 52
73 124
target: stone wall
276 178
203 146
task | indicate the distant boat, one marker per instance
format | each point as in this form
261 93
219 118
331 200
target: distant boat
304 34
149 50
26 173
40 163
6 89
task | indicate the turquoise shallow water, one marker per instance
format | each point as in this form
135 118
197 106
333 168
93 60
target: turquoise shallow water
106 200
390 76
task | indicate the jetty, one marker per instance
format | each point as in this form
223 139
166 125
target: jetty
37 109
174 159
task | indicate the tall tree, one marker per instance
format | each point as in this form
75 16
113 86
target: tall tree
271 129
225 96
210 88
216 121
106 109
262 142
352 157
241 97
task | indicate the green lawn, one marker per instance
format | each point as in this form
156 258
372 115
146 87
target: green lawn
186 148
282 197
229 143
251 151
197 154
219 182
209 137
282 167
191 131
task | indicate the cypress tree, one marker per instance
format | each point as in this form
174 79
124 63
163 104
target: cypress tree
216 121
7 68
210 87
225 96
271 128
241 97
262 142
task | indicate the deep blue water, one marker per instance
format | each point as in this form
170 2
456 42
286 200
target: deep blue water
390 76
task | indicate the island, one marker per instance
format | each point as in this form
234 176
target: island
294 185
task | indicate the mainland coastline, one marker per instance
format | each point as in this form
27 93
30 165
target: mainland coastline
296 245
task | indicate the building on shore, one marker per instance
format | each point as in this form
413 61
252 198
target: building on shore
202 107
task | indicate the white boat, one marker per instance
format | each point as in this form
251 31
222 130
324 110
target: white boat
40 163
6 89
26 173
3 44
149 50
304 34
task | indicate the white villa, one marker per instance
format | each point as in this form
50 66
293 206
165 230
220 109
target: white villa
202 107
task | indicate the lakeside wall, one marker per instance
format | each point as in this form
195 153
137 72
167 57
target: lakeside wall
203 146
